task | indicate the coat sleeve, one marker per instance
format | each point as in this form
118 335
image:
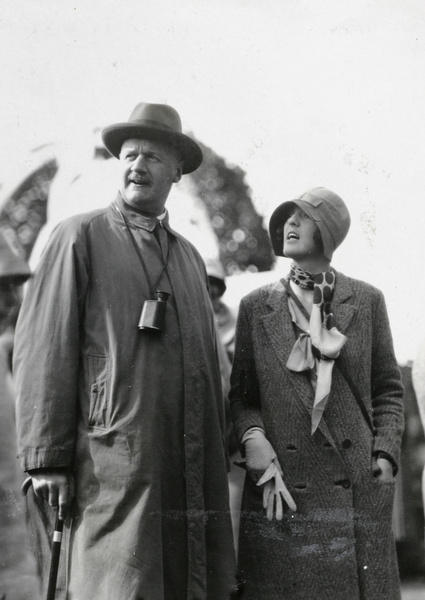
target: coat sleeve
245 402
387 389
46 354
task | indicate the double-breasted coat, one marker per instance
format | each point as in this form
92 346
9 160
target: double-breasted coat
136 416
339 542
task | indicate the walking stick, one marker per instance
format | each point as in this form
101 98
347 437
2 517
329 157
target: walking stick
54 564
56 547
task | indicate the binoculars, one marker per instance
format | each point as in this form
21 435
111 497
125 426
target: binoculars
153 312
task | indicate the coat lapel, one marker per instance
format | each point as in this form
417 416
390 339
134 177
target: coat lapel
280 331
278 324
342 309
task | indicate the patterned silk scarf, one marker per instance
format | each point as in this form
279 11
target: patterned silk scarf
321 344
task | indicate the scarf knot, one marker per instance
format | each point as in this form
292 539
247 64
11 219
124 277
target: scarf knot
321 344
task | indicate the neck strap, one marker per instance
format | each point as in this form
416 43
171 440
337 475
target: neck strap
152 288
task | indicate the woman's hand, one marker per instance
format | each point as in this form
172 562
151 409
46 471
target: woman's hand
259 453
385 469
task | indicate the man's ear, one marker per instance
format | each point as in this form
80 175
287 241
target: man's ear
179 172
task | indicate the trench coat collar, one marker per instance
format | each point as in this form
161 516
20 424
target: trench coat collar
279 328
137 220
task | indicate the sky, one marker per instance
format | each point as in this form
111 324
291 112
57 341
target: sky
298 93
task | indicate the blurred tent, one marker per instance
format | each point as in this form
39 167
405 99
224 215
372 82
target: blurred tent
211 207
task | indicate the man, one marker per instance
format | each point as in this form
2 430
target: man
17 576
225 319
14 271
119 386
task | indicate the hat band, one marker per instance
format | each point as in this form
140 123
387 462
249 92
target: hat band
150 123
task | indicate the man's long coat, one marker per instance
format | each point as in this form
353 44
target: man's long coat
137 416
339 543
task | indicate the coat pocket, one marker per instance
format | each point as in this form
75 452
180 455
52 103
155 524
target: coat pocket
99 380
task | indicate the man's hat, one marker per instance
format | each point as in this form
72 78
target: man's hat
154 122
327 210
13 267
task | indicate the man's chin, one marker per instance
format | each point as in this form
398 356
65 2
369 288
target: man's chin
139 200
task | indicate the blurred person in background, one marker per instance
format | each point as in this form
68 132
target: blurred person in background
317 403
225 318
418 381
226 326
16 571
14 271
120 406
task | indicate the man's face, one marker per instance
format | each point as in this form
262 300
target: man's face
215 293
149 170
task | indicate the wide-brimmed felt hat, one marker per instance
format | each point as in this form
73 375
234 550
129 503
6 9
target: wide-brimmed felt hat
154 122
327 210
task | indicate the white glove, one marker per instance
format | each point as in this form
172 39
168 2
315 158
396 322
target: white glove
275 490
259 453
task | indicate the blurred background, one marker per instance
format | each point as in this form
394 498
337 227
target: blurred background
282 95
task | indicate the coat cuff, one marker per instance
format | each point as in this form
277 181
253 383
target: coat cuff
46 458
388 448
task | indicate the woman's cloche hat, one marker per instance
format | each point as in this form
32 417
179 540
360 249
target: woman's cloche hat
154 122
326 208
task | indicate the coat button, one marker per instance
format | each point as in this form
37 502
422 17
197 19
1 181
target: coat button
345 483
346 444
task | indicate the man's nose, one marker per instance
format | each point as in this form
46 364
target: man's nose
139 164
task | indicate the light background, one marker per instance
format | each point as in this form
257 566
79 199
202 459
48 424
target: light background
298 93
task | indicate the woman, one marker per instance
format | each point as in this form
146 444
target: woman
316 400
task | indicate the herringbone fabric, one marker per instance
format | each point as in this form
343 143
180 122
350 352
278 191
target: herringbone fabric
339 543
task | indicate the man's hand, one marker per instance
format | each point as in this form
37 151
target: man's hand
54 487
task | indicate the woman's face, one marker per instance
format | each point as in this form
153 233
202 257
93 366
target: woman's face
301 237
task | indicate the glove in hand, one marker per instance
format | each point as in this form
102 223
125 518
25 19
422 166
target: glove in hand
274 491
259 453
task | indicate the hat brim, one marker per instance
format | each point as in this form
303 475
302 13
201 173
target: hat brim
114 136
279 218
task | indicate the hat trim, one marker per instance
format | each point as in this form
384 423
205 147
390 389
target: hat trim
156 124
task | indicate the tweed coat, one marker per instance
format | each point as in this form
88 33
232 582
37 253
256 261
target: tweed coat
137 416
339 542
